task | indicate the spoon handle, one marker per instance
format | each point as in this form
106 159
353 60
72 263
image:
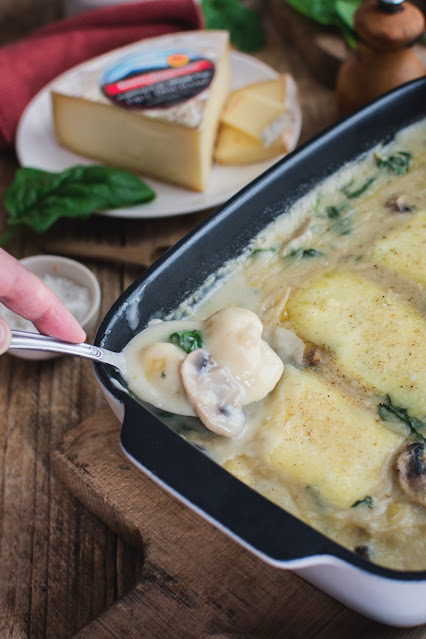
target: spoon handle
22 340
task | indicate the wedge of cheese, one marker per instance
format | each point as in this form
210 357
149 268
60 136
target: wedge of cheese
320 437
259 122
404 250
373 336
152 107
276 90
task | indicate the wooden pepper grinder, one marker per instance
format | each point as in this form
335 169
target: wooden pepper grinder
383 58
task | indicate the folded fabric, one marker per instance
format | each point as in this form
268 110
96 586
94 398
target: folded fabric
29 64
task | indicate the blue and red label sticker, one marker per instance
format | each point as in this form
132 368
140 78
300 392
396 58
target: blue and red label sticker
156 79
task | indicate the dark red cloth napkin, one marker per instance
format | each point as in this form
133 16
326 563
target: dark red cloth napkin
29 64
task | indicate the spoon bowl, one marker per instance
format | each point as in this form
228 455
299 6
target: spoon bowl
22 340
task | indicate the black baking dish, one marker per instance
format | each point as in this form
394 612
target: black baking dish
267 530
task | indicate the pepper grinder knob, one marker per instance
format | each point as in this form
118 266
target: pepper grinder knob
383 58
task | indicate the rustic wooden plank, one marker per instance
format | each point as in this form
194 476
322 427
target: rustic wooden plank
156 239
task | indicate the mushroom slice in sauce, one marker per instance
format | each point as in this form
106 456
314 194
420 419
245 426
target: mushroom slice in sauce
398 204
411 468
213 393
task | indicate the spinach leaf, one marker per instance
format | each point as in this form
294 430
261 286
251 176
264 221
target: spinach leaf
333 212
368 501
39 198
340 224
416 426
343 226
398 163
360 190
270 249
243 23
305 253
187 340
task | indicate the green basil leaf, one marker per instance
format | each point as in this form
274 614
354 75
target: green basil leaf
243 23
39 198
187 340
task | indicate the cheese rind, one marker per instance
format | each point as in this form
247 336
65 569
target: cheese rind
174 144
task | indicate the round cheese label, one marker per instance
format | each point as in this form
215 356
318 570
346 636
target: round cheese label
155 79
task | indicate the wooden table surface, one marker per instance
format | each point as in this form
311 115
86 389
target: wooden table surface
60 566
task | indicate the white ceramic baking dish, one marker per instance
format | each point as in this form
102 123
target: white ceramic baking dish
389 596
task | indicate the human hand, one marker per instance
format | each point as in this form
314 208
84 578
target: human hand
25 294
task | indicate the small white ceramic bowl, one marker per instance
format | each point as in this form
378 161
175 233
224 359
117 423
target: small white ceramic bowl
55 266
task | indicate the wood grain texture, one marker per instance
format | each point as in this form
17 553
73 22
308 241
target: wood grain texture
159 237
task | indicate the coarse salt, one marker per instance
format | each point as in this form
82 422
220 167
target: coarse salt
74 296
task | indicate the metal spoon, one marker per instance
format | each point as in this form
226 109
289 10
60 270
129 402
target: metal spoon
22 340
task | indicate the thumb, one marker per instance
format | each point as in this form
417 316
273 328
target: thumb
5 336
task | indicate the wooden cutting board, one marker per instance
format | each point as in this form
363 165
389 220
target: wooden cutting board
196 582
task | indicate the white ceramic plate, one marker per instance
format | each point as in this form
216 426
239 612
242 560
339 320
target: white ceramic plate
36 146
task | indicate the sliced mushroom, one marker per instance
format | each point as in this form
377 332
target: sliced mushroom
213 393
398 204
411 469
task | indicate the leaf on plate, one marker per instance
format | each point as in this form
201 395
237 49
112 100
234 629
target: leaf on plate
39 198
